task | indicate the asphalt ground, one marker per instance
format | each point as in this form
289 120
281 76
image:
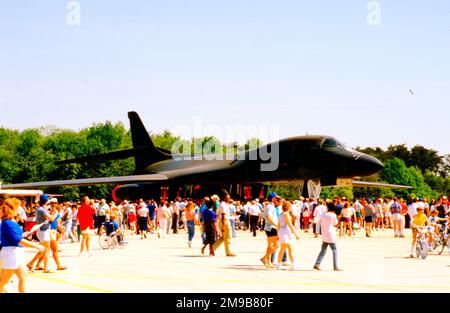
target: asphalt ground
377 264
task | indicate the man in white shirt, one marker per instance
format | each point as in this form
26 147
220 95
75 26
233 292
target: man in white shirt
253 213
223 219
328 222
318 212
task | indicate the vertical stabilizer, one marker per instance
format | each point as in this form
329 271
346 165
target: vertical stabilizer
145 151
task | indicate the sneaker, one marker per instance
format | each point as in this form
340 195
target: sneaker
402 236
338 270
292 267
316 267
285 263
279 267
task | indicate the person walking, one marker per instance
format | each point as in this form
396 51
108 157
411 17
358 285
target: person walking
54 209
233 216
176 215
191 221
43 218
318 211
85 218
210 227
369 212
152 215
143 220
271 229
163 217
328 223
254 213
224 226
285 232
12 252
396 213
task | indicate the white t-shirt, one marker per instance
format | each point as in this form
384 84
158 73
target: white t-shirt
328 221
295 210
143 212
412 209
22 213
357 206
254 210
319 211
224 208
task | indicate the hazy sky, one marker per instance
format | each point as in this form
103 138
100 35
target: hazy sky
371 73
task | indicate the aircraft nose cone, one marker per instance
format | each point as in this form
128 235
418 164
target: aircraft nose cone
369 164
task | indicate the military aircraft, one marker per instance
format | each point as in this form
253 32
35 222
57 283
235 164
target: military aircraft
312 161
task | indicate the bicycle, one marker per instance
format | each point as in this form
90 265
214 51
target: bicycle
422 244
443 239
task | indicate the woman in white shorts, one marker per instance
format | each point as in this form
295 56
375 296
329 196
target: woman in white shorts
285 233
12 255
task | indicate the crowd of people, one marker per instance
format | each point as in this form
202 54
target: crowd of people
51 223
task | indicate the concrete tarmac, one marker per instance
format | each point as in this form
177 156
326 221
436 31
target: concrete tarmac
377 264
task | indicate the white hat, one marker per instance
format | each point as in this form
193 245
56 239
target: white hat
53 200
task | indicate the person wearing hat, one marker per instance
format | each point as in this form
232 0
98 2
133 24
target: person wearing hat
54 208
43 218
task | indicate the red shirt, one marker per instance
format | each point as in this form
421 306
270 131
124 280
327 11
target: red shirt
404 208
85 216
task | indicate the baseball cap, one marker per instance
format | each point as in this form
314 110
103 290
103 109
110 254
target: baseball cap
272 195
54 200
43 198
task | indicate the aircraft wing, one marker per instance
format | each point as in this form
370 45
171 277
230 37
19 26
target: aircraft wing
357 183
90 181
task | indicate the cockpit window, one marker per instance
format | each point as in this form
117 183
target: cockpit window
331 143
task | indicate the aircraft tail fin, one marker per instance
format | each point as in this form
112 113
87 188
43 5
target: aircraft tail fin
146 152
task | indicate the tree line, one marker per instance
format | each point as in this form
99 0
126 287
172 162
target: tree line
34 154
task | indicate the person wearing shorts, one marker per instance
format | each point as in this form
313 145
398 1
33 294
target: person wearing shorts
397 218
270 227
85 217
285 232
369 211
12 252
43 217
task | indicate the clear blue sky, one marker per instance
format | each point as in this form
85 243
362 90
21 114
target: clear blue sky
306 66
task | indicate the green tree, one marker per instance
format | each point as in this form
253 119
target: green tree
425 159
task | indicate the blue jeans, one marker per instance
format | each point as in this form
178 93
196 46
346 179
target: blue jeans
272 257
191 229
233 228
323 250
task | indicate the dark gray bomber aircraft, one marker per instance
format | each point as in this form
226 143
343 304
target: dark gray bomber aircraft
310 160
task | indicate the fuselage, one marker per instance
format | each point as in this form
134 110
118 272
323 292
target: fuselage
291 159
